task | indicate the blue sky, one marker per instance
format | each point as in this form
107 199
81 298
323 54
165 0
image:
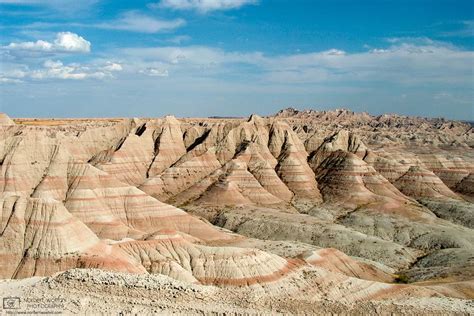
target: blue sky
69 58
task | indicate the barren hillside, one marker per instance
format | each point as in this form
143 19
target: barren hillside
303 211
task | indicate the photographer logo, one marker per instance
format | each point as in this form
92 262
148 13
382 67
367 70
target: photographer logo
11 302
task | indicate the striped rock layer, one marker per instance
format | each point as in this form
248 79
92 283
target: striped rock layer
107 194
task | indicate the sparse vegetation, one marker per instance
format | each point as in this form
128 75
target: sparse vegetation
402 279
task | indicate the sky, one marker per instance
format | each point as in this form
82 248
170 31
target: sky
198 58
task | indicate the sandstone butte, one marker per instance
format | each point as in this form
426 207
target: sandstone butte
300 212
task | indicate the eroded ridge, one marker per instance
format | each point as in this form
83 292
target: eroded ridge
330 206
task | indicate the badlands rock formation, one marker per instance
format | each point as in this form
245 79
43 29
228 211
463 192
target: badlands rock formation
303 211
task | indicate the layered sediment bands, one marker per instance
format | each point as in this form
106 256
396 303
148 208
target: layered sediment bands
297 175
186 172
292 166
173 256
390 169
430 191
116 210
277 137
169 146
346 179
95 143
222 193
98 200
263 169
394 192
336 261
466 187
239 186
342 140
202 187
452 177
33 161
310 291
195 136
40 237
419 182
131 160
229 138
451 169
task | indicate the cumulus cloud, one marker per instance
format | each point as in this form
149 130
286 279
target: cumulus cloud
72 42
137 22
202 6
56 69
38 45
407 64
65 42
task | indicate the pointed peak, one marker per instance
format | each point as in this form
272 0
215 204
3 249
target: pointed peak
340 133
6 120
171 119
256 119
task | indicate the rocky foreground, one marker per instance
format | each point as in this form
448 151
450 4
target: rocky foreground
301 212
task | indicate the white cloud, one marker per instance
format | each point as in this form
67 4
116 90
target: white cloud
137 22
55 69
466 30
404 63
111 66
202 6
72 42
38 45
64 42
334 52
192 55
154 72
52 64
378 51
4 80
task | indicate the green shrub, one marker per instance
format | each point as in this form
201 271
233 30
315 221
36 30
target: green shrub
402 279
